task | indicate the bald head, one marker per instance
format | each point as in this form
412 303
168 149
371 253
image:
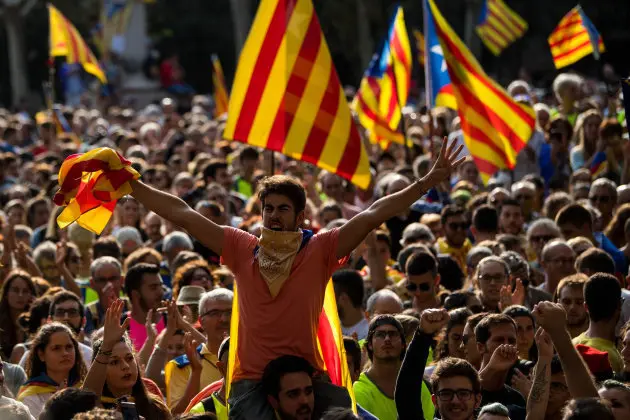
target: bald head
623 194
384 302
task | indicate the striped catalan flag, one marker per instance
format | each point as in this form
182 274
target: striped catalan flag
495 127
66 41
419 46
329 339
385 85
221 98
90 185
499 26
574 38
286 95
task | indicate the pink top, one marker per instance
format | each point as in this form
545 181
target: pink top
287 324
138 332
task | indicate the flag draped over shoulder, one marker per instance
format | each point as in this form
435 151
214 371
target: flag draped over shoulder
499 26
574 38
329 338
385 85
66 41
495 127
286 95
90 184
221 99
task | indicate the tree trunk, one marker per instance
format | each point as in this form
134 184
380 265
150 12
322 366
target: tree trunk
13 23
242 18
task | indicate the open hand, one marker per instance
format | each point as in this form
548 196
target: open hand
445 164
521 383
509 298
113 330
62 252
150 327
433 320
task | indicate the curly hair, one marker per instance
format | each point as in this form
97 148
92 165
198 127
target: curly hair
184 274
35 366
615 229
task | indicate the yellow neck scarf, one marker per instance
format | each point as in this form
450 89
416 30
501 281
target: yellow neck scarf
275 256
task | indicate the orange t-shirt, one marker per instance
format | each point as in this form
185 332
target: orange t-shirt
287 324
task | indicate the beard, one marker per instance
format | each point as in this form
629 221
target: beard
303 410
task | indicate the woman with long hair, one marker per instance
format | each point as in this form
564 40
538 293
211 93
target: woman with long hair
586 139
18 291
449 344
115 375
54 363
193 273
128 212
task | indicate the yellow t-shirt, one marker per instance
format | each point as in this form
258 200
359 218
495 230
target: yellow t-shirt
177 372
601 344
458 254
372 399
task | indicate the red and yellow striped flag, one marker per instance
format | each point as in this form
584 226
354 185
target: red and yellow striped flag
329 338
66 41
385 85
495 127
221 98
419 46
574 38
286 95
89 186
499 26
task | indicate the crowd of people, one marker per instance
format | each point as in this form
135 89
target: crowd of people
457 300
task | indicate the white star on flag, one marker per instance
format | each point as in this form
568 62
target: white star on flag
437 50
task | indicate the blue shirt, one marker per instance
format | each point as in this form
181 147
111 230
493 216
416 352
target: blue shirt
620 259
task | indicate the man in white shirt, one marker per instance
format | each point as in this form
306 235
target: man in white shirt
349 293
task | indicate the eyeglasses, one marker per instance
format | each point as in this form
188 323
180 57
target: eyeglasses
382 335
600 198
72 312
497 278
448 394
541 238
423 287
460 226
105 280
216 313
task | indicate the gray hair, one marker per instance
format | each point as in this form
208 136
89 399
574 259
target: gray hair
105 261
477 251
524 184
494 259
128 233
147 127
542 107
176 240
417 232
563 80
515 262
605 182
546 223
496 409
382 294
337 223
519 84
44 250
215 295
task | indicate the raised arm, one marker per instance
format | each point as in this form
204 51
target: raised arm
553 318
409 381
539 393
178 212
352 233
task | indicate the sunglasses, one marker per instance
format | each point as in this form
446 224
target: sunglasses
460 226
600 198
423 287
